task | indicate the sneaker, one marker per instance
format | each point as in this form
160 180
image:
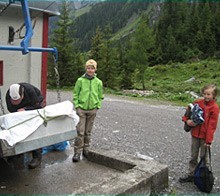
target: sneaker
76 157
186 179
85 153
35 162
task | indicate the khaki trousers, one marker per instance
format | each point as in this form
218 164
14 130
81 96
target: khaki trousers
84 128
197 150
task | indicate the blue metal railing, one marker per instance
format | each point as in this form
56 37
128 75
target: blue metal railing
28 25
24 45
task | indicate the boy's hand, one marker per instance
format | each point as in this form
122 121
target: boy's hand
190 123
207 145
21 109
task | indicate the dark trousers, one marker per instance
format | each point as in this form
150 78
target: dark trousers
37 153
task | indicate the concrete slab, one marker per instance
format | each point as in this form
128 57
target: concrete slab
105 172
51 133
139 176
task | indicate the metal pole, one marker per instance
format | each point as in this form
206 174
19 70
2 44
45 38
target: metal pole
28 25
32 49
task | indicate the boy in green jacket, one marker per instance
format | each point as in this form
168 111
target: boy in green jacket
87 99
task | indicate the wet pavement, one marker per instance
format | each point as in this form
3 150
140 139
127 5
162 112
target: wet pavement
56 175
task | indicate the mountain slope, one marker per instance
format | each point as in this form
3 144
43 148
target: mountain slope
121 16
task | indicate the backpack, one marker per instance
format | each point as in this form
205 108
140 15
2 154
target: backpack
197 114
203 176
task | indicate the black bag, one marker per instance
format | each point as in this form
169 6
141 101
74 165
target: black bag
188 114
186 127
203 176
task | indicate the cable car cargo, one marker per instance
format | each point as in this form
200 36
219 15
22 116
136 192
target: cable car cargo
28 130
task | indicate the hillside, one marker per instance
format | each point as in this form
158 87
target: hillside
121 16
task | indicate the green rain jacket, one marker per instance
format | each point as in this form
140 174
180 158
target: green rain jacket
88 93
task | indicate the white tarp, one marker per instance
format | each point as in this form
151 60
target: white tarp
15 127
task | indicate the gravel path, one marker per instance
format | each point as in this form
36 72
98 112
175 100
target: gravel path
151 129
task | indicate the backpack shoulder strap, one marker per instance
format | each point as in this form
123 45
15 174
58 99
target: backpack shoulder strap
208 150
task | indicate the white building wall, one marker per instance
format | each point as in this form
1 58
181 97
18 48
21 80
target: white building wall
36 57
16 66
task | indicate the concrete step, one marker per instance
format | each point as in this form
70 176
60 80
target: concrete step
137 176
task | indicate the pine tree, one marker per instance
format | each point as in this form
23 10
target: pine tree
64 44
172 25
142 47
171 49
205 36
96 43
216 25
193 25
108 63
125 69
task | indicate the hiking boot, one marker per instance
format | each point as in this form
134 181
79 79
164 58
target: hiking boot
85 153
76 157
186 179
35 162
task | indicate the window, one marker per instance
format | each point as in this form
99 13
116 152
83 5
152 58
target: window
1 73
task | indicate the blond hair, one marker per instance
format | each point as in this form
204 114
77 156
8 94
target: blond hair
91 62
210 86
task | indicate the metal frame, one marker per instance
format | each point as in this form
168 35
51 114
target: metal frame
24 45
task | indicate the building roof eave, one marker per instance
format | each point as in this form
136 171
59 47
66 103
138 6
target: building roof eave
49 12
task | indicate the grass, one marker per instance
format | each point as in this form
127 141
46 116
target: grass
171 82
127 29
